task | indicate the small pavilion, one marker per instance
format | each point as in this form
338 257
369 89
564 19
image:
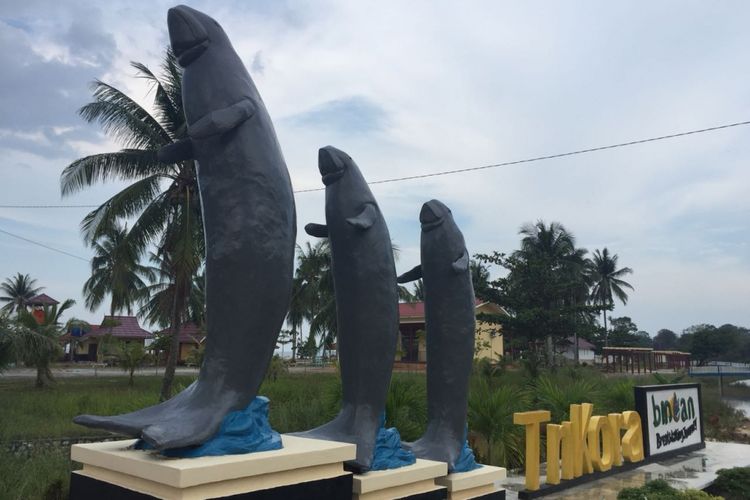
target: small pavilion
643 359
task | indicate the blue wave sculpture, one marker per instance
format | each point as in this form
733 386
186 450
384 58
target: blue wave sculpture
465 461
388 452
242 431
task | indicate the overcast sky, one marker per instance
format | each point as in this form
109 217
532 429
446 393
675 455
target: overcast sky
416 87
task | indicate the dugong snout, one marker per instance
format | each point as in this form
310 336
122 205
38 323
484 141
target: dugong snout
187 35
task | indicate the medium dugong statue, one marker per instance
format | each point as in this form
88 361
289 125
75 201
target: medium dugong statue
364 277
450 321
250 230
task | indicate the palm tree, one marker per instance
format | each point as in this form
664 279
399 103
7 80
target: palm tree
480 277
115 270
418 290
553 248
162 198
176 294
37 340
18 290
607 283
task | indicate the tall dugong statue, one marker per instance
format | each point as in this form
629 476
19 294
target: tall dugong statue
364 277
451 322
250 231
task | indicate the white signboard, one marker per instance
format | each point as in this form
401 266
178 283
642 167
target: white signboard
671 416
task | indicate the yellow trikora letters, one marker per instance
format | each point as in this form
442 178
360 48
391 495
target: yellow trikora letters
582 445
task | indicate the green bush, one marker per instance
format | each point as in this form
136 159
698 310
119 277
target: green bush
659 489
556 394
732 484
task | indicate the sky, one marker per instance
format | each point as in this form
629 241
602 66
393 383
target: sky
409 88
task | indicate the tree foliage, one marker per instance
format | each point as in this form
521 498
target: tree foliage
545 289
17 291
162 199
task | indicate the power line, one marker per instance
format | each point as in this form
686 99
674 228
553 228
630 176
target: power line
483 167
44 246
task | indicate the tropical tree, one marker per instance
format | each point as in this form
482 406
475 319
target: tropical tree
115 271
480 277
176 295
37 339
162 198
7 356
608 283
130 356
544 290
17 291
418 290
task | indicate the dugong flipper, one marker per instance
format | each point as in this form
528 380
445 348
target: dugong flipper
450 320
364 277
250 230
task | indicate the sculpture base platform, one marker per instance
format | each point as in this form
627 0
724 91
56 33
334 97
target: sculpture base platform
302 469
413 482
476 484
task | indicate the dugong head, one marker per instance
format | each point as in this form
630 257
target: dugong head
433 214
191 32
332 163
443 248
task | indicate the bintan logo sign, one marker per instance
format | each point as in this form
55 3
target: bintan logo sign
672 417
585 444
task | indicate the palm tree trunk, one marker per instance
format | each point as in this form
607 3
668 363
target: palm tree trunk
606 332
294 345
174 347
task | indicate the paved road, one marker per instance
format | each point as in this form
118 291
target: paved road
89 371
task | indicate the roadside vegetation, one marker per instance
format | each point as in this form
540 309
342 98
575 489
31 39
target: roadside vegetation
302 401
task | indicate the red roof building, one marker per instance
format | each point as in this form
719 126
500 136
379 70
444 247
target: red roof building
412 342
191 337
123 328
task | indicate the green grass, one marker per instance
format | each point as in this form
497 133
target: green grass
40 476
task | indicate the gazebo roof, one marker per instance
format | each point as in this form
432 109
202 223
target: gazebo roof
42 300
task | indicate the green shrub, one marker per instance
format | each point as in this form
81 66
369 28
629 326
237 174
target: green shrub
616 397
557 394
406 407
660 489
495 438
732 484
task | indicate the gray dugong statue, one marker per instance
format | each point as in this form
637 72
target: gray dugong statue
364 277
250 231
451 322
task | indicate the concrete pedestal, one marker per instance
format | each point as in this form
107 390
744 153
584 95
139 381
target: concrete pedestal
413 482
303 468
476 484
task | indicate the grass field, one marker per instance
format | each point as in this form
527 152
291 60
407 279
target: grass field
303 401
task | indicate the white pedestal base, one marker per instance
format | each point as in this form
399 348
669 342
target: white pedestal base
299 461
478 483
405 482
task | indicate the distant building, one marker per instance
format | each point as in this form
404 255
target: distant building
412 339
585 350
122 328
38 304
192 337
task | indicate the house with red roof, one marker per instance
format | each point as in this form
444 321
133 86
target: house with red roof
412 337
122 328
192 336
